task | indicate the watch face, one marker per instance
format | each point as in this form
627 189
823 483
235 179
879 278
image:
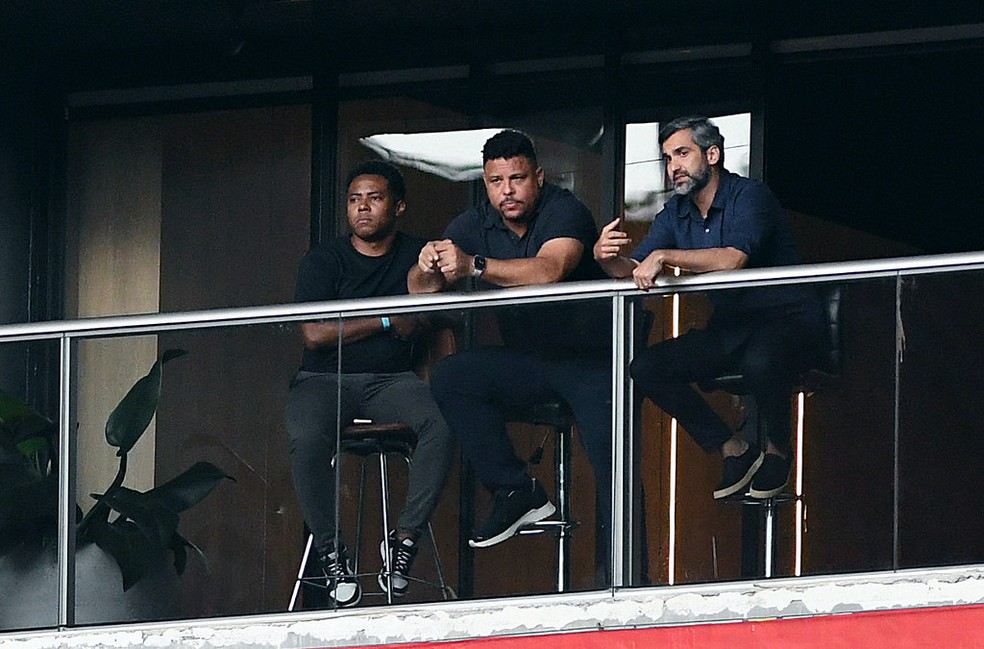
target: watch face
478 262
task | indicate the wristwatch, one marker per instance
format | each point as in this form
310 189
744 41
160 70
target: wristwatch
478 266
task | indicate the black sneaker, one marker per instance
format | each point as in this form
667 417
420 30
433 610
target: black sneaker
510 511
771 479
343 587
402 555
738 471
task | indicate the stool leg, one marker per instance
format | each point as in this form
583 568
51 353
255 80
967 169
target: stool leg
562 479
359 516
770 538
445 591
300 572
384 485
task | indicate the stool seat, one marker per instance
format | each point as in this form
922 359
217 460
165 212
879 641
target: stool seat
365 439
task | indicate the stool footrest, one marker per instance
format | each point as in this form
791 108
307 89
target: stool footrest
545 526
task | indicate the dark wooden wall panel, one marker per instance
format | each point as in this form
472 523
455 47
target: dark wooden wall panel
235 222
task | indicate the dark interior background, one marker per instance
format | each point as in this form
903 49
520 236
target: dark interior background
869 126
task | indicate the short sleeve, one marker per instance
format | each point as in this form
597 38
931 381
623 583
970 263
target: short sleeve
752 219
660 236
316 279
567 217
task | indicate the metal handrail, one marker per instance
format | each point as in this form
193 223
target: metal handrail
210 318
615 290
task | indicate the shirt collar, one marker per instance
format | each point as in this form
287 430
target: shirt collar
726 179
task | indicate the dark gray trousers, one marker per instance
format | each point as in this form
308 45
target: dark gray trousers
311 417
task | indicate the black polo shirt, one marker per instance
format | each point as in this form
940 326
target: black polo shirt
548 328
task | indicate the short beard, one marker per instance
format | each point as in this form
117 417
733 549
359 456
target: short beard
694 183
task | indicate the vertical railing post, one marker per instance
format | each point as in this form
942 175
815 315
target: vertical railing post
622 448
66 488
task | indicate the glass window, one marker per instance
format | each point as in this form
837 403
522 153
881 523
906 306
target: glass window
646 190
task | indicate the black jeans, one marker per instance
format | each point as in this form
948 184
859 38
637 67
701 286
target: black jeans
478 389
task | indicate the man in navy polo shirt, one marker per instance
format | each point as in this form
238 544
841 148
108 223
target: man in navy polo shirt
528 232
720 221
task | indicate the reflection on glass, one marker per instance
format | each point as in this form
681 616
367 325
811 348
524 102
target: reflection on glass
940 412
709 540
454 155
29 465
440 153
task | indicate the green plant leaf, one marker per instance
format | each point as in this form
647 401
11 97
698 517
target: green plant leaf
189 488
19 422
12 408
129 547
178 545
130 418
153 519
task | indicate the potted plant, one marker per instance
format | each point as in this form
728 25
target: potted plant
133 527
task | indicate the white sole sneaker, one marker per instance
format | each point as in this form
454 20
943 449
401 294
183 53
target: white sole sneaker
345 593
741 484
532 516
400 582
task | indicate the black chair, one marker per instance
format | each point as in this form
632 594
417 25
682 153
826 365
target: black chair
366 440
761 513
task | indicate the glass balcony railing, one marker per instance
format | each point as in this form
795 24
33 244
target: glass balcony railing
104 497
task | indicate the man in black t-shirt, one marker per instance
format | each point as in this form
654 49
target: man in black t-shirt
528 232
373 378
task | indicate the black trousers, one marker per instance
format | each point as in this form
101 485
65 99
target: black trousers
771 355
478 390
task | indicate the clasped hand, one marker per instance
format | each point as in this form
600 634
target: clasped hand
446 258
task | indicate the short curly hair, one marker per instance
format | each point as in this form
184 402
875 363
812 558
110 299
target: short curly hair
509 144
397 186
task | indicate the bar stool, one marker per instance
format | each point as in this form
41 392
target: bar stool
761 513
366 440
556 414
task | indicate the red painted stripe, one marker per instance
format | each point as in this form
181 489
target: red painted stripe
953 627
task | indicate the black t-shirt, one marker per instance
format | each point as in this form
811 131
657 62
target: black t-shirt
336 271
548 329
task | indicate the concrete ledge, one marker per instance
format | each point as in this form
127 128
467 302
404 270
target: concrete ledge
462 620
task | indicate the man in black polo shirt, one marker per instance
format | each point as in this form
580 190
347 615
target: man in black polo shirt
373 378
720 221
528 232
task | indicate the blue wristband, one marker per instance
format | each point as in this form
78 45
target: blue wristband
386 323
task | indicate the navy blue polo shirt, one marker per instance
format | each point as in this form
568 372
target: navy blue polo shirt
744 215
547 328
